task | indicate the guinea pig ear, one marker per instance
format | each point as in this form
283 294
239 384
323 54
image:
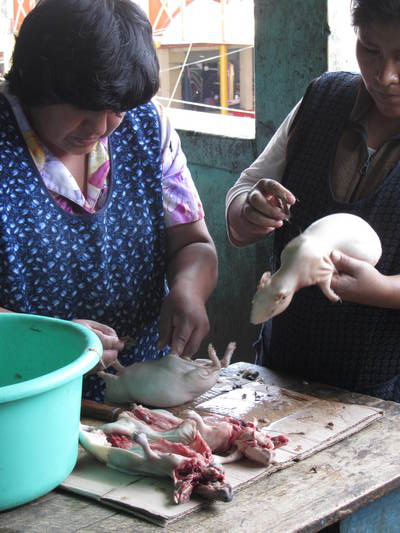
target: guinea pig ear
264 280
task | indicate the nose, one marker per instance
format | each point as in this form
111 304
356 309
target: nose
96 123
389 73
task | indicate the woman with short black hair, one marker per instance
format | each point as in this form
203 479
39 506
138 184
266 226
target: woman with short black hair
337 151
93 55
100 221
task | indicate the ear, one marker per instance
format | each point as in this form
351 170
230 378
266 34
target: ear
264 280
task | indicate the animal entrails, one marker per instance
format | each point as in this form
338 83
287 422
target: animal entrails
306 261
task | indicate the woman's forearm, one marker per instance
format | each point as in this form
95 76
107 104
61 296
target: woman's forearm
194 268
387 293
192 276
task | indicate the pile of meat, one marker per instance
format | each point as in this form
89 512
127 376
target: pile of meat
190 450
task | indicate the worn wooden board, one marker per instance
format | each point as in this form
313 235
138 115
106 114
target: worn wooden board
311 424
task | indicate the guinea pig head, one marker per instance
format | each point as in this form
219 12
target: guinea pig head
270 299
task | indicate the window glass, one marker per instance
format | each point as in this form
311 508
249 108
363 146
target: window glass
12 13
342 39
205 49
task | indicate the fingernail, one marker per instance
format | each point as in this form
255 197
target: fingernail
335 255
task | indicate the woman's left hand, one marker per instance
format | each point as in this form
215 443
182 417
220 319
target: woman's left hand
183 322
358 281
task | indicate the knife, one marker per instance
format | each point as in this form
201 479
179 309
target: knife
100 411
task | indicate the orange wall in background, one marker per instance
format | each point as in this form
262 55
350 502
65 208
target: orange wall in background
162 18
21 8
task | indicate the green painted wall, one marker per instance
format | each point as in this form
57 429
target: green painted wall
290 50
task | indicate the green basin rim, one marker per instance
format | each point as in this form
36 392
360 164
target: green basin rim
61 376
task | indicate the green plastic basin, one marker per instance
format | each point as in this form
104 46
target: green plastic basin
42 362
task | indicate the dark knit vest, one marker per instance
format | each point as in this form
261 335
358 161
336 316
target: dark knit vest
108 266
347 345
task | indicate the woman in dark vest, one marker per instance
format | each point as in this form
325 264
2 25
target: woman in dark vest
100 221
337 151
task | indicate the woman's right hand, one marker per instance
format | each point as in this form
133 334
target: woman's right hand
109 339
258 212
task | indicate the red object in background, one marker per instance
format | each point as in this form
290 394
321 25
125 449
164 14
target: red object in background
21 9
238 113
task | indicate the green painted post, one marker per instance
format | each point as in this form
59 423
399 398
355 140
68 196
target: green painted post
290 50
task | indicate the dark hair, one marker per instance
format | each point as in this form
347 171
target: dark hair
94 54
374 11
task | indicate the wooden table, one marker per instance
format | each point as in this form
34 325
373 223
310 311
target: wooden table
354 484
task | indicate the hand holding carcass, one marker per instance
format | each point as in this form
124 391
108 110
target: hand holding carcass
360 282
